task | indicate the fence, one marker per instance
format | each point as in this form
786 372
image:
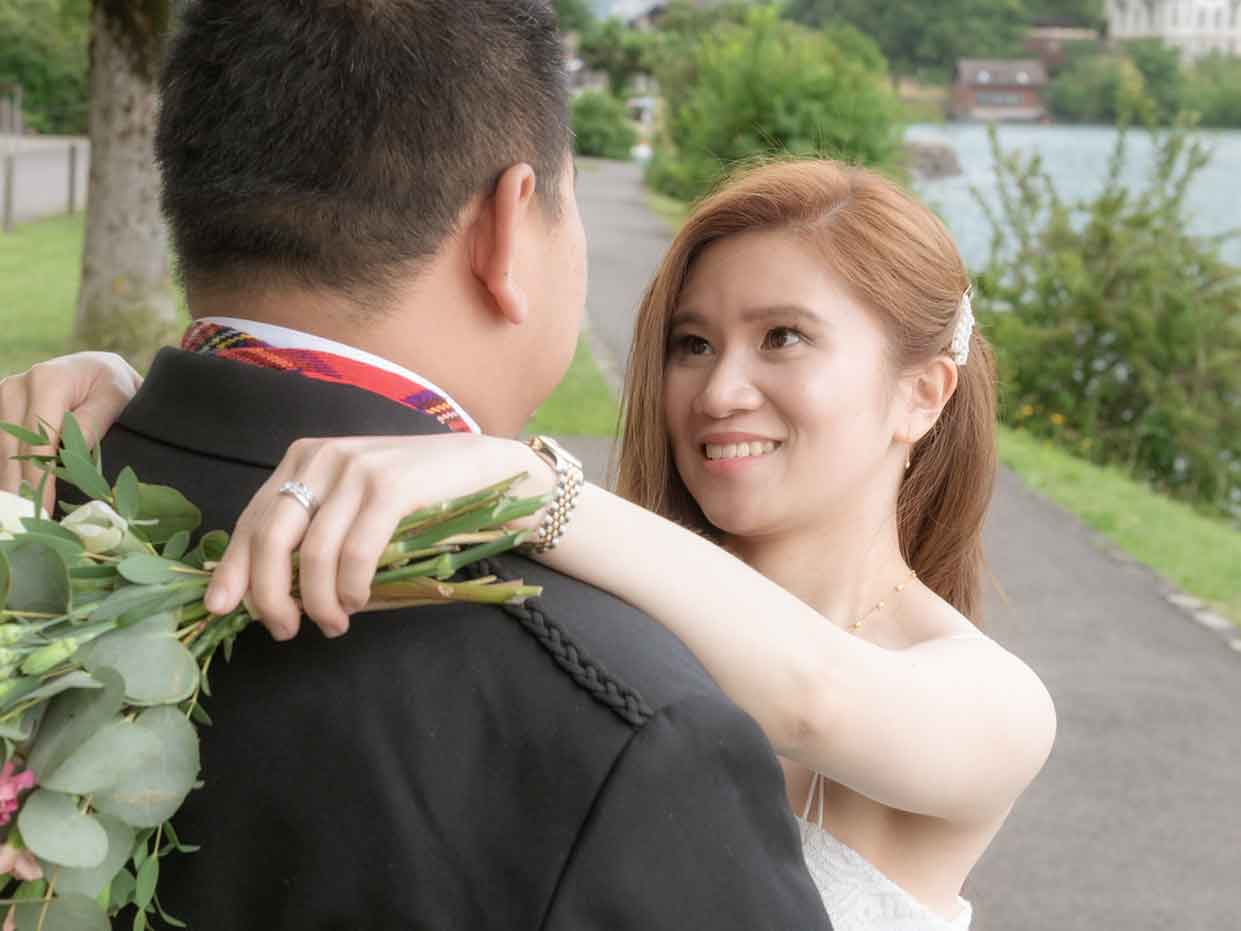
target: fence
41 177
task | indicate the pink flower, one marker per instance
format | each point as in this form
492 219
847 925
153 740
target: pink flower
19 862
11 785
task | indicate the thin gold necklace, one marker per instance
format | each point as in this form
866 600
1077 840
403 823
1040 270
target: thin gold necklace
879 606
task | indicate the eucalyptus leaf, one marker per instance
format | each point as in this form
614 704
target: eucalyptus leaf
84 474
91 882
69 551
54 828
144 569
171 510
144 888
122 888
72 680
130 598
21 728
72 912
175 596
29 437
156 667
154 789
177 545
209 549
72 438
6 579
38 577
72 717
125 494
49 528
103 759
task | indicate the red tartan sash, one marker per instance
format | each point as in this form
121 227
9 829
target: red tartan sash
227 343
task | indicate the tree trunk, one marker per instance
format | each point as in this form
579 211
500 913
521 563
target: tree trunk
126 302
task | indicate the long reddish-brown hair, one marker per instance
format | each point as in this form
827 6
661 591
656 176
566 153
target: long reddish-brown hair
897 258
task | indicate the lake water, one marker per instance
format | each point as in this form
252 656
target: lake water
1076 157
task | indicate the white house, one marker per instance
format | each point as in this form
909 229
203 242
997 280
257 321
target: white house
1197 27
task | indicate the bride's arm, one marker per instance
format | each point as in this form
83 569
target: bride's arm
950 728
954 729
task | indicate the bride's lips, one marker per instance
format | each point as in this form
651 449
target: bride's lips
726 453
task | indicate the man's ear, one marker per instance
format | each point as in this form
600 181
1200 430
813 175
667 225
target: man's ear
494 251
927 391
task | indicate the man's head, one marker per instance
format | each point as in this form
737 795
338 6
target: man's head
374 155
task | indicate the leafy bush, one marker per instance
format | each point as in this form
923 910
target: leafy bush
1119 333
1146 79
771 86
601 126
1099 89
1162 75
1213 90
43 47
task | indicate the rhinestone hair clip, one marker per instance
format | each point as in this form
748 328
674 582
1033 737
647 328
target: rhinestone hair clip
959 349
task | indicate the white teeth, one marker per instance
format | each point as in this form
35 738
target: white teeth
740 450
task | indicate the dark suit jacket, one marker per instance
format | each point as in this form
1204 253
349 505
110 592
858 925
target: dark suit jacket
567 765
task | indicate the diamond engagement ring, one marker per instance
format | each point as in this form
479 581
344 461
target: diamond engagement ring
302 495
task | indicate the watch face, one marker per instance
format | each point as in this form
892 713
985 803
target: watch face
559 452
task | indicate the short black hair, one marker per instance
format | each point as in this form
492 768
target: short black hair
333 143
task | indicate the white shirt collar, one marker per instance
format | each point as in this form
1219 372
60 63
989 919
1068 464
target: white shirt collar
285 338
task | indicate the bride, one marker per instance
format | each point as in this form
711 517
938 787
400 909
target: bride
807 459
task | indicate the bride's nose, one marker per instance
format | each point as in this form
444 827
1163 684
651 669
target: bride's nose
729 389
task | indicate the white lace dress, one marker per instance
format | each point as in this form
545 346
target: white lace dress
859 897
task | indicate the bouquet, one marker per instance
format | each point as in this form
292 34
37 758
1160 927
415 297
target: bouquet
105 650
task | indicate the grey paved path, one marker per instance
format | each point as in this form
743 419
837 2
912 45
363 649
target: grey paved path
1136 821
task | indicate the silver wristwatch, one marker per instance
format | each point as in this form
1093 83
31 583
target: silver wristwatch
569 481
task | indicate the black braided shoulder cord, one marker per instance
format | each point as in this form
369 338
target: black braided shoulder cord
596 680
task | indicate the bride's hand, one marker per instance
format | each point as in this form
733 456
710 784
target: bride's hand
93 386
364 486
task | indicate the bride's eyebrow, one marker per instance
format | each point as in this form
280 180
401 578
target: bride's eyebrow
782 312
682 318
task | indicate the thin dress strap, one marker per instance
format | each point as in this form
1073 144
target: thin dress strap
816 785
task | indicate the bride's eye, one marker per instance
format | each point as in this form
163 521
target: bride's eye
782 337
687 344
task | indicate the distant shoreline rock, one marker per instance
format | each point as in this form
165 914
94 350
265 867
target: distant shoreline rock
932 160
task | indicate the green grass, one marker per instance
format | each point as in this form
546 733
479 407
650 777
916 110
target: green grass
671 211
582 405
39 269
1199 554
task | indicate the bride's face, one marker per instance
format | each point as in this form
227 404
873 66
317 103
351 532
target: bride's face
780 401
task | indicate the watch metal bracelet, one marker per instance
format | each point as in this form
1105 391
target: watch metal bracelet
569 481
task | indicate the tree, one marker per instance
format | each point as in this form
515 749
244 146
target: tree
1100 89
1088 13
1160 65
43 47
1213 90
617 51
574 15
917 36
126 302
769 86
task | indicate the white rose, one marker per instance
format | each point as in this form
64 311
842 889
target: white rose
12 509
100 528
